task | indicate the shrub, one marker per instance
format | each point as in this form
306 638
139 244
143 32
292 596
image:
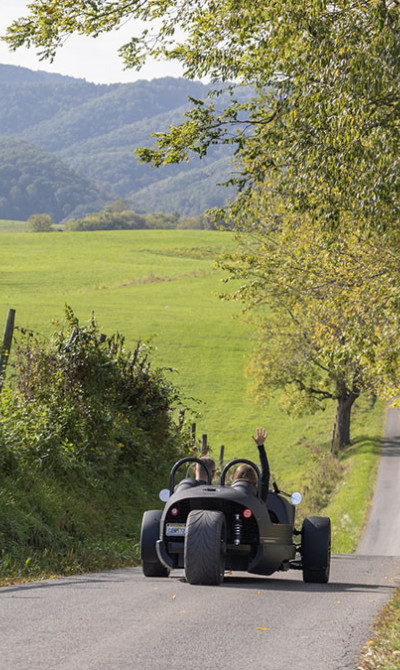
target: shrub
40 223
80 400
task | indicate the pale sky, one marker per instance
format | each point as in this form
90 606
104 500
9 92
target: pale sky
92 59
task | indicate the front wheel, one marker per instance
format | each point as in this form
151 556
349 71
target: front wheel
316 549
205 547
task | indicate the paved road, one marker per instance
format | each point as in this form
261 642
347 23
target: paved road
382 536
122 621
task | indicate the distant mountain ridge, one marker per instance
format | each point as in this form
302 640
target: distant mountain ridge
94 129
15 73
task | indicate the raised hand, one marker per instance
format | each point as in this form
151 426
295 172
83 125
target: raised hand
260 436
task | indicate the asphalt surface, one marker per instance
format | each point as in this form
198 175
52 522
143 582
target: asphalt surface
382 536
121 621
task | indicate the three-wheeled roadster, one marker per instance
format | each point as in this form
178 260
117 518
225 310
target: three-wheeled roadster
208 529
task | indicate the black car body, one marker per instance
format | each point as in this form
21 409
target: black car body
208 529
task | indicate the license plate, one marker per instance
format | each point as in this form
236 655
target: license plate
175 529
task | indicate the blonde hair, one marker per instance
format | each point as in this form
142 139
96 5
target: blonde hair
245 473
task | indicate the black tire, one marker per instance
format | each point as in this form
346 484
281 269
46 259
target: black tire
205 547
154 569
316 549
149 534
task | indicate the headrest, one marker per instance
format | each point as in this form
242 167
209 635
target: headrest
248 487
186 483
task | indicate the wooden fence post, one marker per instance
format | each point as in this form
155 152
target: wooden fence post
193 435
181 418
221 454
6 346
204 447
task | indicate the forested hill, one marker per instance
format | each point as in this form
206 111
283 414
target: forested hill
36 181
94 129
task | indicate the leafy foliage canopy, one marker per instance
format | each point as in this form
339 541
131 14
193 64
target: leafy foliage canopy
324 118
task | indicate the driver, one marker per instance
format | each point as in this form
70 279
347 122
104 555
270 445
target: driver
200 472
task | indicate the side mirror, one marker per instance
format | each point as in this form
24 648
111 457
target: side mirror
296 498
164 495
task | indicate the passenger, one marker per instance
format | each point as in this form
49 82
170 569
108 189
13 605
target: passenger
200 473
259 438
246 473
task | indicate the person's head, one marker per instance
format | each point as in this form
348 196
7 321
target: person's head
245 473
201 473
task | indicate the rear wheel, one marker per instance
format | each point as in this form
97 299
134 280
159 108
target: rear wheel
149 534
205 547
316 549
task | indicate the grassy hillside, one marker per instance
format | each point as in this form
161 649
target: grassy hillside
157 284
163 285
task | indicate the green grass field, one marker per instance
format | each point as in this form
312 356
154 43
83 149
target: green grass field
151 284
13 226
163 285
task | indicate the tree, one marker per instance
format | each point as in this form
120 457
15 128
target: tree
326 311
40 223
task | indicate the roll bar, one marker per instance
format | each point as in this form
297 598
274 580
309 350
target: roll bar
188 459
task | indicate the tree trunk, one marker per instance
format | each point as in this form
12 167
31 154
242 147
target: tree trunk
341 431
